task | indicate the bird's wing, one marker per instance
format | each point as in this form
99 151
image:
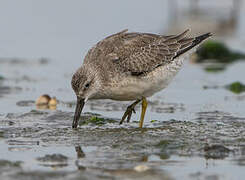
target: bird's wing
139 53
161 51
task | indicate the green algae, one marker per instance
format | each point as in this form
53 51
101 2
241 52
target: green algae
218 52
153 121
214 68
236 87
95 120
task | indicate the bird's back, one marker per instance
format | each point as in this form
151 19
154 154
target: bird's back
139 53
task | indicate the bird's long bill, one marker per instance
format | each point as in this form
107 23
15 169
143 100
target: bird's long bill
79 108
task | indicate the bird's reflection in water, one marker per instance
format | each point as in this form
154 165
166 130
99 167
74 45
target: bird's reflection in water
80 155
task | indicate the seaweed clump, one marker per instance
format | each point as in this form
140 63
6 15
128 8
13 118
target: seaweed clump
218 52
99 121
215 68
236 87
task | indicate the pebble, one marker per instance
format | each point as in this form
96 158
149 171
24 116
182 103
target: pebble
141 168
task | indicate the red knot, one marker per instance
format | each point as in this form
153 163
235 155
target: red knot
131 67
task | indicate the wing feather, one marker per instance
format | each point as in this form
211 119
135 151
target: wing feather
139 53
159 52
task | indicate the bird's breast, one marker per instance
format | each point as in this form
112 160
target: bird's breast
135 87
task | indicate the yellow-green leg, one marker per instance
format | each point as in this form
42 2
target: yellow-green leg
144 106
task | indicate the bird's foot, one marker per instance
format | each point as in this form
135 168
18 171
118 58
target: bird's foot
128 113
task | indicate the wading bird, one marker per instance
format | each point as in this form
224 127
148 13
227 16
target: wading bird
130 67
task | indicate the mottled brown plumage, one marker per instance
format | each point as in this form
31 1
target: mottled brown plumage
130 66
137 53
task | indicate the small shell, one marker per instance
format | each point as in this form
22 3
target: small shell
43 100
52 102
141 168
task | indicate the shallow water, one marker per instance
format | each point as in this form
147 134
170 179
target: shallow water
43 141
190 131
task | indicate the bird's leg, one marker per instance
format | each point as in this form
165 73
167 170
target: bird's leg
80 153
144 106
129 111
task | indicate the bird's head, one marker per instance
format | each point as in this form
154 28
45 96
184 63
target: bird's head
84 85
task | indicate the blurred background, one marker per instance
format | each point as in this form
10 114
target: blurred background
42 43
66 30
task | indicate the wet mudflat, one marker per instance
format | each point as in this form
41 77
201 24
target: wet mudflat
42 144
195 137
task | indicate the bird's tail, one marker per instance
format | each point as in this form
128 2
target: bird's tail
197 40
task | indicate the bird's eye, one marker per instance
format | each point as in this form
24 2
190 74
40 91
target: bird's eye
87 85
